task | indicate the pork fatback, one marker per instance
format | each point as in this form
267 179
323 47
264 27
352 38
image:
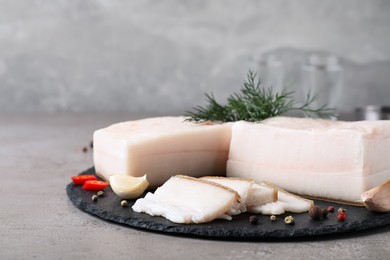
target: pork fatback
320 158
161 147
184 199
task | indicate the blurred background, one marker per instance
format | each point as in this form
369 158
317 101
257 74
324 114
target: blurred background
160 57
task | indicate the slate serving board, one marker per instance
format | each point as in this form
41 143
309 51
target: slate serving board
108 208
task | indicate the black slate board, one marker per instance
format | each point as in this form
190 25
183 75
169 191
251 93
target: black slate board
108 208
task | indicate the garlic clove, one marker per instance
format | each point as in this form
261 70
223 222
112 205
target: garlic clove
378 198
128 187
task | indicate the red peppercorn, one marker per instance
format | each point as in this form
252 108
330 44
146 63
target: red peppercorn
331 209
341 216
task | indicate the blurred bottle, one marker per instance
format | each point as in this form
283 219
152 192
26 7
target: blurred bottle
334 76
314 80
323 76
373 112
272 73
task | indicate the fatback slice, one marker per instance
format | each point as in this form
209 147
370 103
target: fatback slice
186 200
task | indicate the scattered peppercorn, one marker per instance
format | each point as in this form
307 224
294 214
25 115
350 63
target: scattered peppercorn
95 198
85 149
331 209
341 210
272 218
325 213
254 220
289 220
100 193
91 145
315 212
341 216
124 203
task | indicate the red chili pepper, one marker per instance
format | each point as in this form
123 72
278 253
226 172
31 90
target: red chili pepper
95 185
341 216
81 179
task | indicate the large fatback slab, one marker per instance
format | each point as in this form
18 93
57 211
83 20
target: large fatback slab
161 147
321 158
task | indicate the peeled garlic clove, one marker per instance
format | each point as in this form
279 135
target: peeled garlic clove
378 198
128 187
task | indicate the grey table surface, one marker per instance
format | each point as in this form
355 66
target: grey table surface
39 153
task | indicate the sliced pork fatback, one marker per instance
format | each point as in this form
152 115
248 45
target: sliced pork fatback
251 193
260 194
161 147
320 158
241 186
286 202
184 199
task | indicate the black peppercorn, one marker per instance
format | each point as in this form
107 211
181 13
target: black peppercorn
315 212
325 213
254 220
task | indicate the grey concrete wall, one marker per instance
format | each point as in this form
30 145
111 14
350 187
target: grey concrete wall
161 56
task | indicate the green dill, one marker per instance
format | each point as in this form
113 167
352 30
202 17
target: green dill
255 103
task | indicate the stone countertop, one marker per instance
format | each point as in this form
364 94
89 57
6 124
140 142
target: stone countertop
39 153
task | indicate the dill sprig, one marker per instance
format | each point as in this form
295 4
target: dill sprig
255 103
